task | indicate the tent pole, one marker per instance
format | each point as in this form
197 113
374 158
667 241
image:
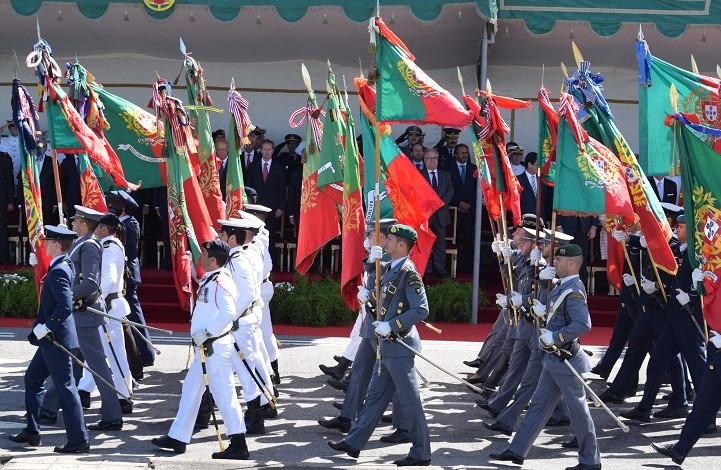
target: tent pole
482 71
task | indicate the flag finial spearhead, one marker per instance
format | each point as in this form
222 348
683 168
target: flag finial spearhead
576 54
460 80
673 96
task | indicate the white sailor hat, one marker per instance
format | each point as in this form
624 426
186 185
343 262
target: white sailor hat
530 234
249 216
244 224
256 208
87 213
561 238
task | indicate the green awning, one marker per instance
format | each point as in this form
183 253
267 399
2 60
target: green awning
605 16
289 10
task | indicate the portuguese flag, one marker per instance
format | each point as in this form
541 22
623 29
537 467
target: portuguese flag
547 136
319 220
593 178
405 194
700 169
26 121
333 146
698 96
405 92
208 178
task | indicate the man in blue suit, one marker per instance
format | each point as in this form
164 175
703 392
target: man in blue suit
465 182
55 323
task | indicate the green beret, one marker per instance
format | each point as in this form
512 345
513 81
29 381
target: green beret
405 231
569 250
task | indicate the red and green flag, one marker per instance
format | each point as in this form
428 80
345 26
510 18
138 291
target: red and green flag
700 169
319 219
593 178
333 146
200 104
547 136
698 96
404 195
405 92
27 122
238 130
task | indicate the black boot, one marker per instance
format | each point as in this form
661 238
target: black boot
268 411
204 411
337 371
254 423
276 375
237 450
341 384
84 398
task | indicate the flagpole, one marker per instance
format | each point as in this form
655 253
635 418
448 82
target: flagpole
538 229
58 192
508 261
494 232
658 276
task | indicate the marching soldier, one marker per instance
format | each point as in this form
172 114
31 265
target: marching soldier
86 255
55 323
568 320
403 304
210 328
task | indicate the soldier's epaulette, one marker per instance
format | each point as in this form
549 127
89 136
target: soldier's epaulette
106 243
578 296
414 279
245 247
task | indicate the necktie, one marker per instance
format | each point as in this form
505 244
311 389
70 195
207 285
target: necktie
659 188
265 172
247 160
434 181
419 166
534 185
463 173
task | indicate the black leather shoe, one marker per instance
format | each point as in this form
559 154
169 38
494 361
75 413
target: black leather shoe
387 418
555 422
337 405
603 374
341 446
585 466
637 415
483 404
711 429
167 442
79 448
399 436
507 456
48 417
115 425
608 397
672 413
474 380
126 406
269 412
341 385
411 462
475 363
341 424
84 398
572 444
668 451
24 437
499 427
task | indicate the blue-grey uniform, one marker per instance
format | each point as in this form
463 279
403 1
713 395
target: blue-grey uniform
55 312
568 320
406 307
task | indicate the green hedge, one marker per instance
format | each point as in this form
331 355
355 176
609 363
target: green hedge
318 303
17 294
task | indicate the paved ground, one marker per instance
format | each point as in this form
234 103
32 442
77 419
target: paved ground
296 440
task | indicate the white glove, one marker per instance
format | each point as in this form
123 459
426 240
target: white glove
367 243
362 295
40 330
539 309
619 235
682 297
547 273
628 279
32 259
642 241
546 337
697 275
506 250
496 247
376 253
501 301
383 328
648 287
716 340
199 336
516 299
536 255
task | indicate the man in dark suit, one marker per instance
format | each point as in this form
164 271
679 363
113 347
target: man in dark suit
440 181
417 154
293 163
465 181
267 177
221 152
7 199
583 230
666 189
249 156
55 323
70 184
447 147
533 188
47 186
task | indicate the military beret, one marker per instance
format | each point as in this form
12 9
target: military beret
250 192
385 225
414 130
87 213
405 231
214 247
111 220
451 132
292 138
53 232
569 250
681 219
